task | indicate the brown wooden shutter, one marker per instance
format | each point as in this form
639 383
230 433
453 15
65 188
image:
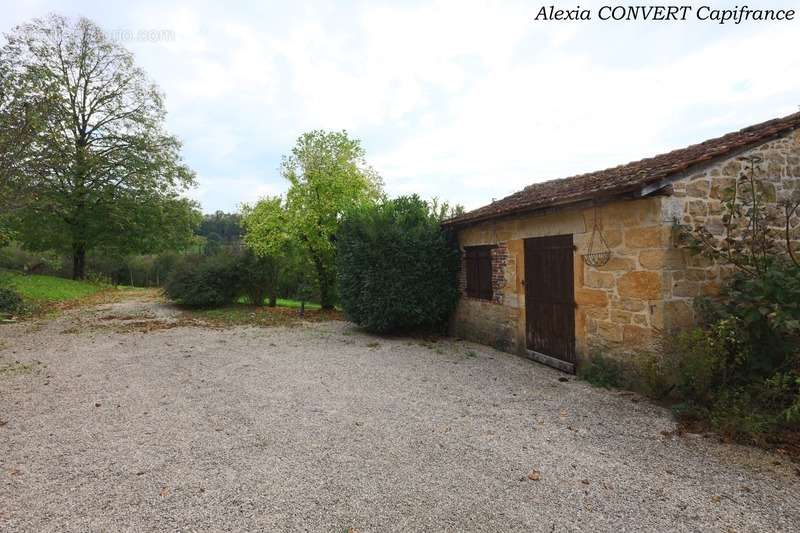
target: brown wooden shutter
479 271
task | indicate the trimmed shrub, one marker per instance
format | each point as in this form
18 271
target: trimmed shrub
258 277
397 268
11 302
205 281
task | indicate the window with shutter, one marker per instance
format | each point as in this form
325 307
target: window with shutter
479 271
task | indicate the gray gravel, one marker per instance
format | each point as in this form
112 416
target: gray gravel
323 428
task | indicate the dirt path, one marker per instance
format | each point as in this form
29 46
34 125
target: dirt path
128 418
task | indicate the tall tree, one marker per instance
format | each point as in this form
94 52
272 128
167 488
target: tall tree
21 115
269 237
106 172
328 176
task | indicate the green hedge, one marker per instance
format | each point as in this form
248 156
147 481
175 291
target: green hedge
205 281
397 269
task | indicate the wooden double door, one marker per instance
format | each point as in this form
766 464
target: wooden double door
550 301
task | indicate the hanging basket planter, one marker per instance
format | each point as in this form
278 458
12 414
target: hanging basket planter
598 253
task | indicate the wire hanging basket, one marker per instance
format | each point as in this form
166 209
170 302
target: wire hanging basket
598 253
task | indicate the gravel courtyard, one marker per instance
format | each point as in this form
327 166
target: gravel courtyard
125 417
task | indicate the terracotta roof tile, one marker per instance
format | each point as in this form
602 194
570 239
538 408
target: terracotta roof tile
627 178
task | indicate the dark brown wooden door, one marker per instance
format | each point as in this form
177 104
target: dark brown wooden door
550 298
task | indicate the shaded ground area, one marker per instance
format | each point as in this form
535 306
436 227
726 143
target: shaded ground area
133 416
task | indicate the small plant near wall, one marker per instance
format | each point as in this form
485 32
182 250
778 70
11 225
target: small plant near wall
740 369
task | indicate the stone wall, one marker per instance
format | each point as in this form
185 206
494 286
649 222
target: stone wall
697 200
648 285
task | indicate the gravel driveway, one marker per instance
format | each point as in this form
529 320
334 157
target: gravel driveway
107 424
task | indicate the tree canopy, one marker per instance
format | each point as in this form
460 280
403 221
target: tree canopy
327 176
101 169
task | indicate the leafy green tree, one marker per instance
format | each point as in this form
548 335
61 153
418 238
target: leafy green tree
22 108
268 235
328 176
107 175
220 230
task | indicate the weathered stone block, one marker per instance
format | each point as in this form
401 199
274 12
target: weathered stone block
636 337
697 208
643 237
685 288
621 317
601 280
670 258
591 297
613 237
721 188
698 188
609 331
629 305
679 314
640 285
598 313
617 263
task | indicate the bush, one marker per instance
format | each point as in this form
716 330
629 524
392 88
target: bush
604 372
205 281
11 302
397 269
13 257
258 277
743 390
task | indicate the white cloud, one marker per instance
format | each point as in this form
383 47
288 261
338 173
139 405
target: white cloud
463 100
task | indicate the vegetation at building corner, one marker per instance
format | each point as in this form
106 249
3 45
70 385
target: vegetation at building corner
397 267
739 370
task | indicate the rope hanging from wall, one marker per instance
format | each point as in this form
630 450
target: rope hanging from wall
598 253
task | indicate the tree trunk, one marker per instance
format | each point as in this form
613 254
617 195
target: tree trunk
79 261
326 294
273 299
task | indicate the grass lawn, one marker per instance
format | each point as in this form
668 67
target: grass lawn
285 302
286 313
38 288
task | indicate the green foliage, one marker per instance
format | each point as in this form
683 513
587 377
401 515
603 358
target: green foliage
13 257
221 231
327 177
258 277
103 172
743 389
205 281
741 370
48 288
603 372
767 305
268 227
397 268
11 302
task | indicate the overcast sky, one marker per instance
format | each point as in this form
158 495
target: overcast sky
467 101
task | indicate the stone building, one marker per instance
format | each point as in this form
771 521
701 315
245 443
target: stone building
529 284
